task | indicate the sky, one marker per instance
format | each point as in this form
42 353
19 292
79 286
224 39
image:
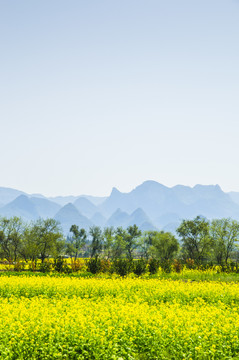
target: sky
101 94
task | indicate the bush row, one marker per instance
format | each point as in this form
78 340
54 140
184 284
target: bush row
120 267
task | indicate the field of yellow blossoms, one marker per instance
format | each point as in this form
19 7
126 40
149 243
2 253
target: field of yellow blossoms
72 318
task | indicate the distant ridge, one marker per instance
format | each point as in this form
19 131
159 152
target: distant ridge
138 217
69 215
156 199
45 208
30 208
85 207
150 206
7 195
22 207
98 219
118 218
234 196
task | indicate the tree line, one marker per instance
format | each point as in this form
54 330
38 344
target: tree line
197 240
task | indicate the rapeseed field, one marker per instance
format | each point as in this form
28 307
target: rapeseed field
72 318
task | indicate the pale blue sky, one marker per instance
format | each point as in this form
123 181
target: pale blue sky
96 94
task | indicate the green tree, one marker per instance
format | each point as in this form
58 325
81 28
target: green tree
225 235
29 247
164 246
76 241
118 246
195 237
96 241
131 240
11 234
108 236
47 237
145 243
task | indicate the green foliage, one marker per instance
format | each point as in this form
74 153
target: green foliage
153 266
131 240
118 245
164 246
225 235
11 234
202 243
140 266
145 243
94 265
60 265
76 241
108 236
122 267
46 238
195 237
166 266
96 241
29 249
45 266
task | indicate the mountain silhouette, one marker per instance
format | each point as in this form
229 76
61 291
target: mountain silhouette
85 207
22 207
98 219
68 215
150 205
118 218
7 195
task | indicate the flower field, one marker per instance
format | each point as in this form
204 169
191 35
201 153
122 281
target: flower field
71 318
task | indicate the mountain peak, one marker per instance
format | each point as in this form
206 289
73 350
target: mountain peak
138 217
22 197
118 218
150 184
22 206
85 207
69 215
117 211
68 208
208 189
138 211
115 191
150 187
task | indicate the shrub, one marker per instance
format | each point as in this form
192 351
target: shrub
190 263
46 266
105 265
166 266
32 265
122 267
140 267
177 266
153 266
19 266
60 265
77 265
94 265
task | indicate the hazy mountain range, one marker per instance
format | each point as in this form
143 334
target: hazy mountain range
150 205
